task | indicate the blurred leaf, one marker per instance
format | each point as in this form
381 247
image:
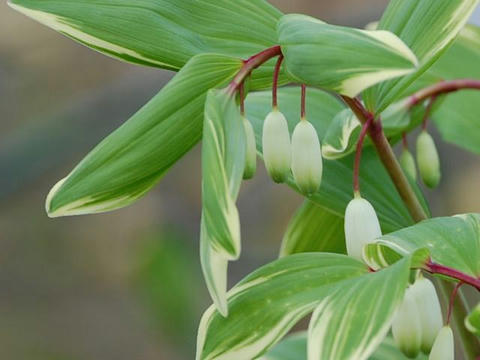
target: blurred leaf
457 115
268 302
341 59
451 241
353 320
294 347
166 277
313 229
130 161
336 189
427 27
163 33
223 163
472 322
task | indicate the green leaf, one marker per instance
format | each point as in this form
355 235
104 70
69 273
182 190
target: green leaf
336 189
451 241
457 115
341 59
427 27
267 303
353 320
313 229
472 322
162 33
223 163
131 160
294 347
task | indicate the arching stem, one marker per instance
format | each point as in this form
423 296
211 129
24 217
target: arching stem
443 87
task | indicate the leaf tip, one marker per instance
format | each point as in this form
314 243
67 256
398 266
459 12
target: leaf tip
51 211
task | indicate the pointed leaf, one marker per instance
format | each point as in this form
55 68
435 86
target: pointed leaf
223 163
341 136
131 160
451 241
341 59
352 321
427 27
162 33
267 303
313 229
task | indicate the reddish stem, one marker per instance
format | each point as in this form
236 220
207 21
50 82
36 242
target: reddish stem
452 300
276 74
428 111
438 269
404 141
303 105
358 157
443 87
252 63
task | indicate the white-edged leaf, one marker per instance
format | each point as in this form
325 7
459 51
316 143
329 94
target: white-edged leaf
427 27
451 241
350 323
132 159
341 135
313 229
223 164
267 303
163 33
341 59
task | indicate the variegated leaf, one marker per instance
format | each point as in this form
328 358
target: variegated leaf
341 136
267 303
341 59
131 160
223 163
353 320
427 27
163 33
450 241
313 229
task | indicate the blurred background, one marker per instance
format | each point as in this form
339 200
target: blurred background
124 285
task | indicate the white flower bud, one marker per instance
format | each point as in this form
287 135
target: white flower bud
306 157
428 160
443 348
406 327
276 146
251 153
408 164
430 312
361 226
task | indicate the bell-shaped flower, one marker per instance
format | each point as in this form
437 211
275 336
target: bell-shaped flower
361 226
276 146
406 327
429 311
408 164
307 164
443 348
251 151
428 160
